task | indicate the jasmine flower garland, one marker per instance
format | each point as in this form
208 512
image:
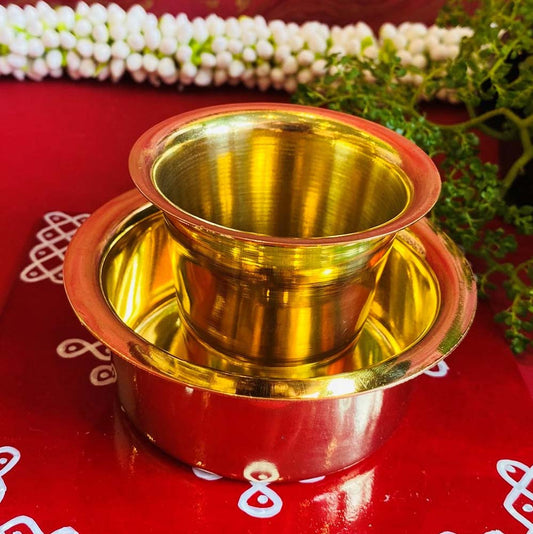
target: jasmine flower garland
96 41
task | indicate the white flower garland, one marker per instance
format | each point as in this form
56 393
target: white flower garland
96 41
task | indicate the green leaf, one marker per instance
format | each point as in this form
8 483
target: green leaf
494 72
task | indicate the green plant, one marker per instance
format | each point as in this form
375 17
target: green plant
493 77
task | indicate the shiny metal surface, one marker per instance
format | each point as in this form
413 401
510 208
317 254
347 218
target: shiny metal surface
141 292
282 220
119 281
224 416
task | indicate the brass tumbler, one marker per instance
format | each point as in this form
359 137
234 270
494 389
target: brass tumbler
282 218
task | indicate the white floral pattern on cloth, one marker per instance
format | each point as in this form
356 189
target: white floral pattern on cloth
23 524
101 375
438 371
519 501
258 500
48 255
9 456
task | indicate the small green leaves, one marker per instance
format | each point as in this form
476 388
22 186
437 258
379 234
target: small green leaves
494 68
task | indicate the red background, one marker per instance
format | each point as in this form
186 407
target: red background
64 146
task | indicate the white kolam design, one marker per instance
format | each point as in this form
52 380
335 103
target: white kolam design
438 371
258 500
260 474
15 526
97 41
205 475
520 478
48 255
521 484
9 456
101 375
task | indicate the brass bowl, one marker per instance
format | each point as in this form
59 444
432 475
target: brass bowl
282 219
236 418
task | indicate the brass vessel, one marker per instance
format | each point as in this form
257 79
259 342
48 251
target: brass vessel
282 219
219 412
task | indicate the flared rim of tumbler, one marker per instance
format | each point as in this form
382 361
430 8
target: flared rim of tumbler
421 173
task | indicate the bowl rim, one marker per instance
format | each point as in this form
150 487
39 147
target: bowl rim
422 173
89 247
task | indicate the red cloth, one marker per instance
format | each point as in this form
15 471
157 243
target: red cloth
81 464
65 147
66 144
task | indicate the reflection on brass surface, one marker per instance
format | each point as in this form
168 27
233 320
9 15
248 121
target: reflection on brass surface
119 282
283 176
282 220
182 394
141 292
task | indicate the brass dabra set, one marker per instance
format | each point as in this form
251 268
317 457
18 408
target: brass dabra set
269 305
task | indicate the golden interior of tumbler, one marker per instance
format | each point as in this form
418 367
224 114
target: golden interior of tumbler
136 279
282 174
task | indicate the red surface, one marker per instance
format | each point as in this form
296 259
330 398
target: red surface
67 144
64 147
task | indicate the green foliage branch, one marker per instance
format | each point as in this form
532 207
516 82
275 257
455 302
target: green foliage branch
493 77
